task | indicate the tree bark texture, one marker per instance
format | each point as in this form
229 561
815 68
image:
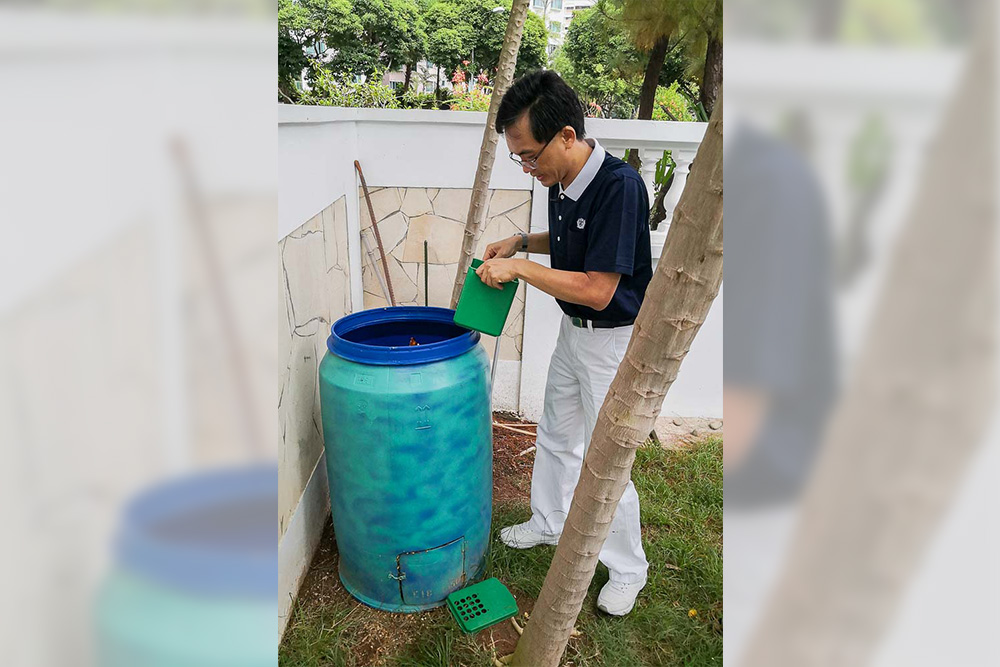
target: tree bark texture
487 152
711 79
647 94
677 302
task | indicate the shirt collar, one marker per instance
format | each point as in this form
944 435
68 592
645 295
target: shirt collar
587 174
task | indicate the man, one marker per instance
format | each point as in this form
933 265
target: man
598 241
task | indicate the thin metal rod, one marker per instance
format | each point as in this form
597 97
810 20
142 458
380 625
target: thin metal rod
378 237
426 292
493 373
371 258
236 354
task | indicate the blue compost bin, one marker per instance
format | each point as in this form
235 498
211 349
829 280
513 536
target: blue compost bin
408 436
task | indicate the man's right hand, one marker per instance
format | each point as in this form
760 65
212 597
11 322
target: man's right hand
503 249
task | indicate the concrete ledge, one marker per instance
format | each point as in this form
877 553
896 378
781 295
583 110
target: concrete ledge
296 547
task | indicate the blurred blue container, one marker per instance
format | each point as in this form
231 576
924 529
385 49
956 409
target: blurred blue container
194 582
408 432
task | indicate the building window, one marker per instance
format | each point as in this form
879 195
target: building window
555 27
557 4
538 4
395 85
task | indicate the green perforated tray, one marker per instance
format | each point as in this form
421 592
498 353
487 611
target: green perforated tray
481 605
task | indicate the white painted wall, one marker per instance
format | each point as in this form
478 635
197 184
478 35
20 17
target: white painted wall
440 149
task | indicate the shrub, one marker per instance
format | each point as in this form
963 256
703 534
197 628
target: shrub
672 104
415 100
332 90
477 99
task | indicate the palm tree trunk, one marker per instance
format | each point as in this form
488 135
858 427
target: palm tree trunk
647 95
711 79
686 282
488 150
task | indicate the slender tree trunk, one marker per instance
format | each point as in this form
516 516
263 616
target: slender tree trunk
647 95
711 78
437 85
686 282
488 150
406 79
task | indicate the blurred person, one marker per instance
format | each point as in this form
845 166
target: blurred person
778 377
780 358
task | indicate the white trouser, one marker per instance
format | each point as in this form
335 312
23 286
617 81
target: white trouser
583 365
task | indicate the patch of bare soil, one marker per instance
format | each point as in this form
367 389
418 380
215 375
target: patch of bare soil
513 458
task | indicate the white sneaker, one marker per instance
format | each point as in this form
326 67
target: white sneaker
522 536
618 598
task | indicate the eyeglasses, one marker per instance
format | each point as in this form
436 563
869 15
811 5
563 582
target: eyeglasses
533 162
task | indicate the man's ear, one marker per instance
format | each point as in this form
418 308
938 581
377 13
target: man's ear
569 136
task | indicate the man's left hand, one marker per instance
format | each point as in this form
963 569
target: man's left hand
495 272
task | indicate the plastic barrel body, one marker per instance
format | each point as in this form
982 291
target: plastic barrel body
408 437
193 581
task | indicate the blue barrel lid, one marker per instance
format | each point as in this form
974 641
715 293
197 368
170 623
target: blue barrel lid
381 336
211 533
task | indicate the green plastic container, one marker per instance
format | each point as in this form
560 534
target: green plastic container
481 605
482 307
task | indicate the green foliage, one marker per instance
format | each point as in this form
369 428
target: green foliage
333 89
357 36
306 30
870 156
414 100
391 36
363 36
664 168
601 64
672 104
601 61
686 24
446 48
477 34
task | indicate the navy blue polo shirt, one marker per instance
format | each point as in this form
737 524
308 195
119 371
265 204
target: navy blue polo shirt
605 229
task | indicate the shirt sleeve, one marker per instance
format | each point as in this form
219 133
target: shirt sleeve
614 230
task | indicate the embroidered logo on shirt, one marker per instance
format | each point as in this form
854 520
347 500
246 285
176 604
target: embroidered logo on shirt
580 223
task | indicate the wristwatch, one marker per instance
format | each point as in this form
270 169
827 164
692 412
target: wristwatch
524 241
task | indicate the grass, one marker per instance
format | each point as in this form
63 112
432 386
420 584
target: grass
680 495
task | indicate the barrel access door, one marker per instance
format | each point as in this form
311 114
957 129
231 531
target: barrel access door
428 576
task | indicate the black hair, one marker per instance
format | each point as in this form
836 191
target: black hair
550 102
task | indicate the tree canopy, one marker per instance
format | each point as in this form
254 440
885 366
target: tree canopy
362 36
602 62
